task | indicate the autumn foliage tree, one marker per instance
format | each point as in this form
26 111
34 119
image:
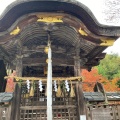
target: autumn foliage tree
90 78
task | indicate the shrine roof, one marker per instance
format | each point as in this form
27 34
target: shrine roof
73 27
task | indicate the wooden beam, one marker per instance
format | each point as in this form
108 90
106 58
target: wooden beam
44 79
4 55
56 49
42 47
45 107
42 61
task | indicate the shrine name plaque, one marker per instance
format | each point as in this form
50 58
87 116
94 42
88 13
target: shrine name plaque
101 114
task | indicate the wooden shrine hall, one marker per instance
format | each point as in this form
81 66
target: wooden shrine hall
47 43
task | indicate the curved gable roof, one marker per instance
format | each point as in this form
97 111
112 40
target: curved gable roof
75 8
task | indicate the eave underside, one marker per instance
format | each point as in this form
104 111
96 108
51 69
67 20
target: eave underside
66 39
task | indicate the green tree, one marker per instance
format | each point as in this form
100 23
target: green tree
109 67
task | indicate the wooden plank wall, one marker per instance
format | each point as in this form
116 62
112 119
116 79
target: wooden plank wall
104 112
5 112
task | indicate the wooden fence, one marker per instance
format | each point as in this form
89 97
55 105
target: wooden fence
5 112
103 112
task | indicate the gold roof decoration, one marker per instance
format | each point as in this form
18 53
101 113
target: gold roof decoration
15 31
82 32
107 42
49 19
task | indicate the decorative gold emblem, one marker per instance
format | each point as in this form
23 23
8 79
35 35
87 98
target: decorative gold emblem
15 31
107 42
49 19
82 32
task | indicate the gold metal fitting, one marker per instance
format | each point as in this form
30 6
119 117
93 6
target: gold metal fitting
15 31
46 50
107 42
49 19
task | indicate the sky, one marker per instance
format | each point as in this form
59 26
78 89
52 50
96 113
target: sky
97 7
114 49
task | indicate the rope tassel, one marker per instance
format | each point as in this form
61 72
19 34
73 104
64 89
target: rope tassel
59 91
72 92
31 91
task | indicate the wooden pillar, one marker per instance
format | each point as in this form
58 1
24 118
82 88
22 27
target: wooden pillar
79 92
81 102
77 60
19 56
15 110
77 66
19 68
17 92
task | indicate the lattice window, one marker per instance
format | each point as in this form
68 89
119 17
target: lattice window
34 107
